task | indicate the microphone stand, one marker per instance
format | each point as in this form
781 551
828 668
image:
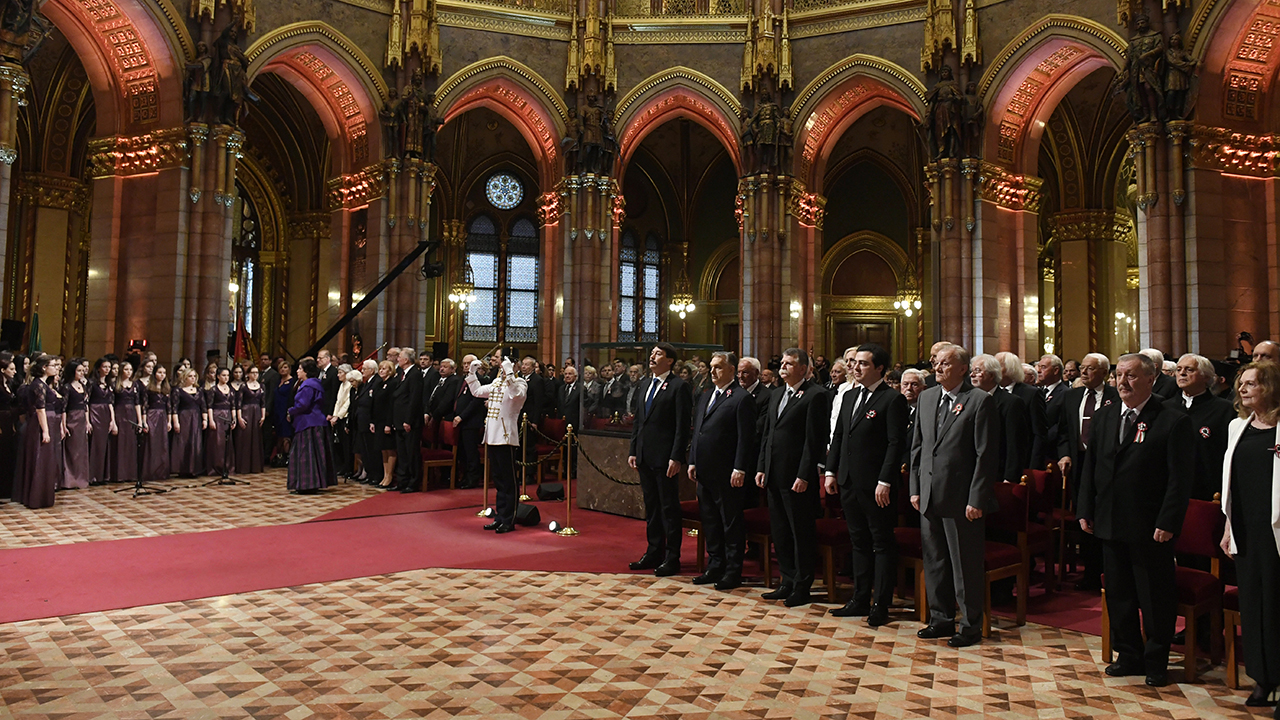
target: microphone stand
226 449
140 487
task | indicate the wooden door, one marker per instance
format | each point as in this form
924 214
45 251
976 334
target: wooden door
852 333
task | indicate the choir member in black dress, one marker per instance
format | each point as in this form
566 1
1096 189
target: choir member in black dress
75 447
159 422
383 420
128 410
361 419
282 401
145 370
102 423
248 434
223 406
42 448
1251 501
9 412
186 451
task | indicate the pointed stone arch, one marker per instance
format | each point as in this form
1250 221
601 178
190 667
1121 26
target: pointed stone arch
865 240
677 93
1236 42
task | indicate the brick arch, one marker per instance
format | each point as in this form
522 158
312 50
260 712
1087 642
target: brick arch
1236 41
673 94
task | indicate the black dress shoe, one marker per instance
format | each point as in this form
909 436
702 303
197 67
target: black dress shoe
407 490
798 598
878 616
933 632
1119 669
707 579
781 593
668 568
852 609
1261 697
960 640
504 529
493 525
646 562
729 582
1157 679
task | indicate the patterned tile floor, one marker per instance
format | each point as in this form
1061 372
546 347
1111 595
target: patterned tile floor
98 513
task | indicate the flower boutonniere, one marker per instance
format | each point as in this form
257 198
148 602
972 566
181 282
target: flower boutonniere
664 387
1142 432
1106 403
1275 449
957 409
799 394
1205 432
871 414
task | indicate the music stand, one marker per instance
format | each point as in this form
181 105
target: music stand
140 487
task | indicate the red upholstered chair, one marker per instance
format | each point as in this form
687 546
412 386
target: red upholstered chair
833 538
430 435
1199 592
1044 502
1002 559
1231 620
554 428
760 534
910 549
445 456
691 519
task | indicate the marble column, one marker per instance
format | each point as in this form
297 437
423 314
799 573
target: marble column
1091 272
772 307
13 87
588 231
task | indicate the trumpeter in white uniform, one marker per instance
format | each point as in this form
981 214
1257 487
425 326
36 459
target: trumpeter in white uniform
504 398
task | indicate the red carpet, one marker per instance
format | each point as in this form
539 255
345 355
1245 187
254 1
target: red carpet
394 503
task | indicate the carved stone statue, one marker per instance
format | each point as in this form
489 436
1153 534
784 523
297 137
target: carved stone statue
430 127
944 115
390 126
747 140
571 143
198 84
786 139
1180 80
1143 74
22 29
975 118
592 134
232 88
413 115
609 151
764 124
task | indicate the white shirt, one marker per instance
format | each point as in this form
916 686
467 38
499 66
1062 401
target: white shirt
1048 389
1188 399
753 387
841 389
1084 398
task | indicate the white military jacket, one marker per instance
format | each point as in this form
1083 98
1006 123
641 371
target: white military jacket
504 398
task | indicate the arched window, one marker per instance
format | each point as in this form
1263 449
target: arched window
245 233
639 288
522 282
482 254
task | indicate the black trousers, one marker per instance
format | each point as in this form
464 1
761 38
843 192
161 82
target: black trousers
1141 577
469 456
502 473
875 549
793 522
1258 573
408 471
723 529
342 446
661 513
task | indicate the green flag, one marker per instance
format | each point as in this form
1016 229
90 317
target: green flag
33 341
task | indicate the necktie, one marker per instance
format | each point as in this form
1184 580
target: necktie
648 398
436 390
712 402
785 399
857 404
1130 420
1044 392
943 409
1090 404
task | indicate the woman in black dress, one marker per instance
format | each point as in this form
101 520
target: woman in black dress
42 448
223 406
248 434
102 423
75 390
361 417
128 415
283 401
159 423
1251 501
186 450
9 412
383 426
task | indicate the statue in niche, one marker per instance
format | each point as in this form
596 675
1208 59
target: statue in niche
786 139
390 122
198 84
571 143
609 150
764 125
413 114
430 127
975 118
1142 76
232 89
22 29
1180 81
943 117
592 134
747 140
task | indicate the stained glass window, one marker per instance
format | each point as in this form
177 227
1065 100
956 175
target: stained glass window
482 253
504 191
639 288
522 282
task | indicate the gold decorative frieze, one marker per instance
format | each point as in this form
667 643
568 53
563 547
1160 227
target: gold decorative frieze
809 209
646 31
243 9
137 154
1215 148
1090 225
1009 190
470 19
53 191
356 189
309 226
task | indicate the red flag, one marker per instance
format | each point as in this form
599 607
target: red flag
241 352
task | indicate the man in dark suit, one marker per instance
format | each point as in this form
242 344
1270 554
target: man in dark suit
1011 365
441 396
406 403
911 385
533 409
1075 420
329 381
1052 388
468 418
1134 491
270 380
724 429
569 404
749 380
1165 386
954 466
863 462
795 440
659 439
1210 417
1015 418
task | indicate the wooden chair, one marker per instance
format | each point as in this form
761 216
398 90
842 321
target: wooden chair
910 548
1231 621
1044 499
833 539
554 428
1004 560
691 520
442 457
760 533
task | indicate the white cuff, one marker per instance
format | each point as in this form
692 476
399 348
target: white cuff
884 484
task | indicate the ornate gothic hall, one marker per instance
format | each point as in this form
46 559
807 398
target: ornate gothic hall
214 178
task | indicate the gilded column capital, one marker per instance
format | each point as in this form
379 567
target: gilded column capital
308 226
1009 190
1221 149
550 208
808 208
125 155
356 189
1108 225
53 191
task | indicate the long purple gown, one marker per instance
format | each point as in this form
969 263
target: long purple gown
221 450
42 463
155 454
101 441
248 440
126 445
75 446
186 451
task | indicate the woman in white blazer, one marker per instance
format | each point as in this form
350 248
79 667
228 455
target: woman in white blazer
1251 502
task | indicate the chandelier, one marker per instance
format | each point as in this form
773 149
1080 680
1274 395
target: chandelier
908 300
463 290
682 296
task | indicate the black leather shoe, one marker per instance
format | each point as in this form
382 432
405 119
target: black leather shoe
852 609
1119 669
408 489
707 579
729 582
782 592
504 529
493 525
1261 697
646 562
1157 679
668 568
933 632
960 640
878 616
798 598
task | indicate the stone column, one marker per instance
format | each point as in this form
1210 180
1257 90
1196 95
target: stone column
773 308
1091 271
50 239
1155 255
13 88
410 184
550 320
806 212
592 208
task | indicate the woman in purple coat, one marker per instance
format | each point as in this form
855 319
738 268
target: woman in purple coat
311 457
76 445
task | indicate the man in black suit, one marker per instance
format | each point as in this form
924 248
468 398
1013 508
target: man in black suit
468 417
863 462
1133 496
954 468
795 440
1015 418
1012 382
724 429
1210 417
329 381
1166 387
1052 388
749 379
406 403
659 439
533 409
911 385
569 404
1075 420
270 380
441 396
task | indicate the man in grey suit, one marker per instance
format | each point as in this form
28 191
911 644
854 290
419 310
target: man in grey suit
954 466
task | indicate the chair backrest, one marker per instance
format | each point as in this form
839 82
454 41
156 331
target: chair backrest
448 434
1045 491
1201 529
429 433
554 428
1012 515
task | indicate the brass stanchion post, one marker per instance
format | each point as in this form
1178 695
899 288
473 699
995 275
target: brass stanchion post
524 452
565 455
484 499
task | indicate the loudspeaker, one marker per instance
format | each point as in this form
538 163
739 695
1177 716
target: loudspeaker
440 351
528 515
551 492
11 334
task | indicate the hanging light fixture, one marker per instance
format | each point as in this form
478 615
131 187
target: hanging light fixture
463 290
682 296
908 300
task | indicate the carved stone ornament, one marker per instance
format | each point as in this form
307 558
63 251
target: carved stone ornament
1007 190
122 156
358 189
1216 148
53 191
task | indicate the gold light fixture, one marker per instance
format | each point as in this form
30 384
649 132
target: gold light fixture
463 290
908 300
682 296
